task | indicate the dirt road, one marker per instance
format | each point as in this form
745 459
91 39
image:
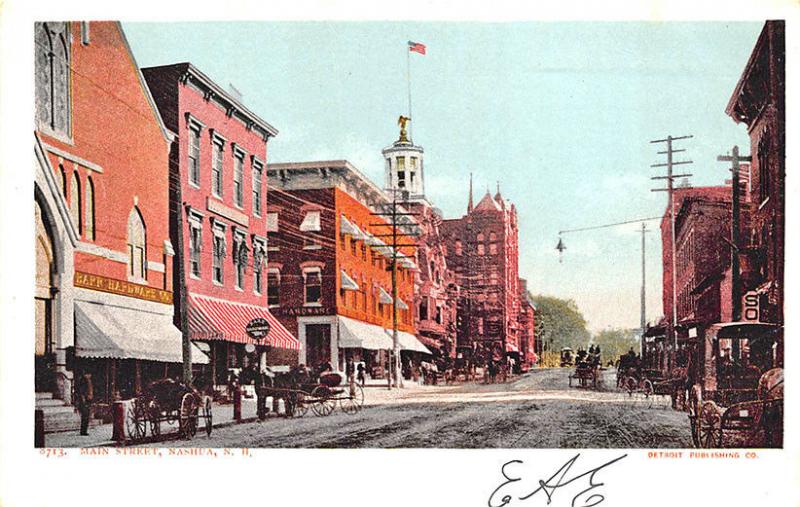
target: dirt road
537 410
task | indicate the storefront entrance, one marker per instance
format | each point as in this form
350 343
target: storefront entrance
318 344
44 356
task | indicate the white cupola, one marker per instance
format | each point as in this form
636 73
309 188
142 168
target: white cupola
404 166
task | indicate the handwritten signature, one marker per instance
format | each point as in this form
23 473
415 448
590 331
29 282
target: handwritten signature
549 487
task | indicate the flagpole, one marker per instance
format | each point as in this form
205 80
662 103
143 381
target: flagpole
408 76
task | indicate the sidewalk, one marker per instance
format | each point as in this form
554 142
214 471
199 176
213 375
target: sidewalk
101 434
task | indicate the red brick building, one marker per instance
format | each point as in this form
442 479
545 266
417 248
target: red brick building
219 216
758 101
482 248
104 257
329 271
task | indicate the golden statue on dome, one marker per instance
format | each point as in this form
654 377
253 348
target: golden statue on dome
402 121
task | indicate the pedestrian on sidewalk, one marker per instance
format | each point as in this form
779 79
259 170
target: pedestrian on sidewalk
85 392
362 374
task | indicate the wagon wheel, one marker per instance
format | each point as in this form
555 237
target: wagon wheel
299 403
710 427
207 416
631 384
136 420
354 400
322 403
693 405
187 416
647 388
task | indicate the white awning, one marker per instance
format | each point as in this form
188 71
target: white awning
383 297
348 283
105 331
401 304
358 234
311 222
406 262
354 334
408 342
346 226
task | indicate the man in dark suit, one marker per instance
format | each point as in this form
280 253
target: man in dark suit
85 392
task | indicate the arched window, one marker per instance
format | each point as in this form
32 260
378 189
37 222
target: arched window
137 252
75 204
89 221
62 180
52 76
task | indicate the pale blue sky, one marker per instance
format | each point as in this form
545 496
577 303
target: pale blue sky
560 113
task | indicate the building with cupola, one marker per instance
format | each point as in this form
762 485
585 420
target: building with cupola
435 288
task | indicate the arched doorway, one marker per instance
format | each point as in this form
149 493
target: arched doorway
43 306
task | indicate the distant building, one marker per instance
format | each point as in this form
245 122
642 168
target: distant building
329 272
219 217
482 248
104 280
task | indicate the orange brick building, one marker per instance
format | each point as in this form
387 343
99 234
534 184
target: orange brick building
329 270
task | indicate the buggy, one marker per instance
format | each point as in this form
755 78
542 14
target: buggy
168 402
303 389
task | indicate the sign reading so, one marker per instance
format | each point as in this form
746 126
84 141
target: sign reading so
257 328
751 307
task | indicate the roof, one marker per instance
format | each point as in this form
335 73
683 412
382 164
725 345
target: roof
487 203
228 101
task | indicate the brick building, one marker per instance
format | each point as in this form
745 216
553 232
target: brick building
758 102
329 271
218 216
104 279
435 287
482 249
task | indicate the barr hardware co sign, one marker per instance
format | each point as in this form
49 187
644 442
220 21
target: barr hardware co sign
257 328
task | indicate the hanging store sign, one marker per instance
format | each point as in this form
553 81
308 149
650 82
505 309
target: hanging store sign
123 288
257 329
751 307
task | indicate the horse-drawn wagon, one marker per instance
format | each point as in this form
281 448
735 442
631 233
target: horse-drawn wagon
737 389
302 389
170 403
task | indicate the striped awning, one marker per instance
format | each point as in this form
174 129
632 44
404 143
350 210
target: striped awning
217 319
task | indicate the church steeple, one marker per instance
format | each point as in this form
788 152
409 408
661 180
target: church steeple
469 204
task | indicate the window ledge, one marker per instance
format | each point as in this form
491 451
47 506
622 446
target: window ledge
238 289
194 185
218 284
194 277
136 279
314 305
274 306
312 247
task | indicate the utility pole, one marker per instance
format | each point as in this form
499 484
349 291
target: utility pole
670 177
736 298
394 216
643 317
